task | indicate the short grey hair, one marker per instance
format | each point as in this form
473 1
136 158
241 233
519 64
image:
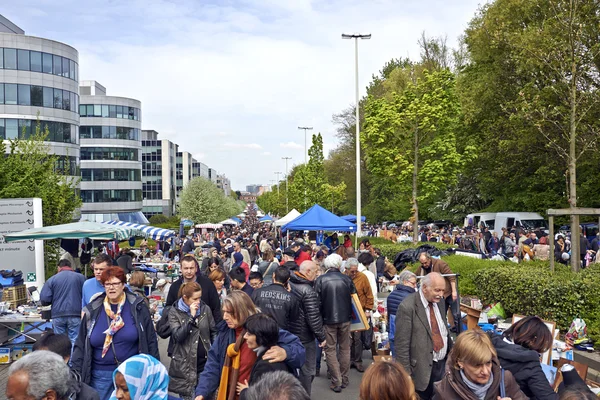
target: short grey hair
405 276
426 254
46 371
306 265
333 261
351 262
278 385
428 279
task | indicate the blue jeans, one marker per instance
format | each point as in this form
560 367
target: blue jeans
67 326
102 382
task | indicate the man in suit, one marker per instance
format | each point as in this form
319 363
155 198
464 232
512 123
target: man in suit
422 339
430 264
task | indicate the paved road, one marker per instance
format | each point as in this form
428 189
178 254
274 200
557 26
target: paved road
320 389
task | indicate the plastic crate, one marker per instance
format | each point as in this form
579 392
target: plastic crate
16 303
16 293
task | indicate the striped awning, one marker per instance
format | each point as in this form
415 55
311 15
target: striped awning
146 230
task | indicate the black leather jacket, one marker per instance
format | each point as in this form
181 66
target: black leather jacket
276 301
334 290
309 323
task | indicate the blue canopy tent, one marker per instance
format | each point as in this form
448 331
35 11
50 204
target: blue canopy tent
236 219
266 218
319 219
352 218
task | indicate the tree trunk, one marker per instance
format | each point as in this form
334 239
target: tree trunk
414 188
575 251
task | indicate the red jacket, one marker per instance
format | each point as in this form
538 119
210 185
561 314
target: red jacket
304 256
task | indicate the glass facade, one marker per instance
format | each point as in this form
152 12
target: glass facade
110 111
110 196
68 165
109 153
136 217
38 96
35 61
100 174
60 132
152 170
109 132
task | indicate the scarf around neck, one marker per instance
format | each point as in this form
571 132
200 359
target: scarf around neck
478 390
116 322
186 309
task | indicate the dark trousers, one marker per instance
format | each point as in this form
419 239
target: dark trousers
356 348
455 310
437 373
307 372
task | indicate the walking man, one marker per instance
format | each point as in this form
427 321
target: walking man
275 299
63 291
422 339
335 293
92 287
309 323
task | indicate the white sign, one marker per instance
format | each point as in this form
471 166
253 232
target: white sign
27 256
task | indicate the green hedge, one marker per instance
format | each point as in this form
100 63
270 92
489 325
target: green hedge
531 289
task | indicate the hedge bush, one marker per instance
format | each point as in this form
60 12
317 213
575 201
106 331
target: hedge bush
531 289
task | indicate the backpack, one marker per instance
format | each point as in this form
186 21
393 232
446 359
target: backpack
163 328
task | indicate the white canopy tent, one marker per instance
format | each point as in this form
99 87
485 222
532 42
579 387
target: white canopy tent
292 215
228 222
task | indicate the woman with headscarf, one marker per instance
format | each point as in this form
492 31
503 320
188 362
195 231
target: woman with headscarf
230 360
239 262
141 377
115 326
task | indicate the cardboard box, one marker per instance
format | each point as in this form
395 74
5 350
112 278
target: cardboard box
382 358
383 352
4 355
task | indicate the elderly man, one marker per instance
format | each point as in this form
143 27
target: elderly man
428 265
365 296
335 294
39 375
237 248
309 324
422 339
407 286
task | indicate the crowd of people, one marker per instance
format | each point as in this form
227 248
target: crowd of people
249 320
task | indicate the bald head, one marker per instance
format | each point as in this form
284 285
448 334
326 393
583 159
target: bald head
309 270
433 286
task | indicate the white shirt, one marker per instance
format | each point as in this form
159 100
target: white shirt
440 355
372 282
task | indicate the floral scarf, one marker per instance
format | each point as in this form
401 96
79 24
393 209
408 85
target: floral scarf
116 322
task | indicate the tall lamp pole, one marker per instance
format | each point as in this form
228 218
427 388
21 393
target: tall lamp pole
357 36
278 173
287 208
305 128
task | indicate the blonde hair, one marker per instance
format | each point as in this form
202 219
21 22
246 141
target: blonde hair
386 380
473 347
137 279
240 306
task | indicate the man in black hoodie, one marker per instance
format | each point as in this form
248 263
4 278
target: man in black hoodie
288 259
276 300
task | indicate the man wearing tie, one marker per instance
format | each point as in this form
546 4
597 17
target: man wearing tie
422 337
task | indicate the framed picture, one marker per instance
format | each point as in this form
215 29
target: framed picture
547 356
359 320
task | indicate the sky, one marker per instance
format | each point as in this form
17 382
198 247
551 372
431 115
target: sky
231 81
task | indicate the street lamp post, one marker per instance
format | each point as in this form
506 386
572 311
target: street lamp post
278 173
287 208
305 128
357 36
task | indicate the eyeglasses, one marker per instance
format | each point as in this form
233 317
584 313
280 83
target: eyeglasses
111 285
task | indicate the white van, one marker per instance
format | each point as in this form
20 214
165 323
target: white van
496 221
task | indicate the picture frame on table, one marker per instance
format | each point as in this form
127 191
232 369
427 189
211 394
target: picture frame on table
359 320
547 356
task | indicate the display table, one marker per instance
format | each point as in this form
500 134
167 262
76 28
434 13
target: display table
20 324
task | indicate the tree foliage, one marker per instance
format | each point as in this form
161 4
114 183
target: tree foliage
203 202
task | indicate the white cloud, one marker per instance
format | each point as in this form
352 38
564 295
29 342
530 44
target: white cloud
252 146
266 153
245 71
199 156
291 145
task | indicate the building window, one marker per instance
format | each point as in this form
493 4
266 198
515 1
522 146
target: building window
37 96
12 128
10 58
10 93
23 60
48 97
56 65
47 63
58 98
65 68
36 61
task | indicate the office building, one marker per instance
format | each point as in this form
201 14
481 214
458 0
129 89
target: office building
111 162
199 169
159 175
184 173
39 84
224 184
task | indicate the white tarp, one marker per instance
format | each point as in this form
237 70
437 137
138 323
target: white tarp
292 215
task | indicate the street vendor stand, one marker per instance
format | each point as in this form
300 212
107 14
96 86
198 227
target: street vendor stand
21 325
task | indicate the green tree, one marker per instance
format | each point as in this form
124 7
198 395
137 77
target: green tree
413 136
202 201
29 170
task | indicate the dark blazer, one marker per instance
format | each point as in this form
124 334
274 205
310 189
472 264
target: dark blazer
262 367
413 344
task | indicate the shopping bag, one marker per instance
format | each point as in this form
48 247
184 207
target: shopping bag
497 310
578 330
